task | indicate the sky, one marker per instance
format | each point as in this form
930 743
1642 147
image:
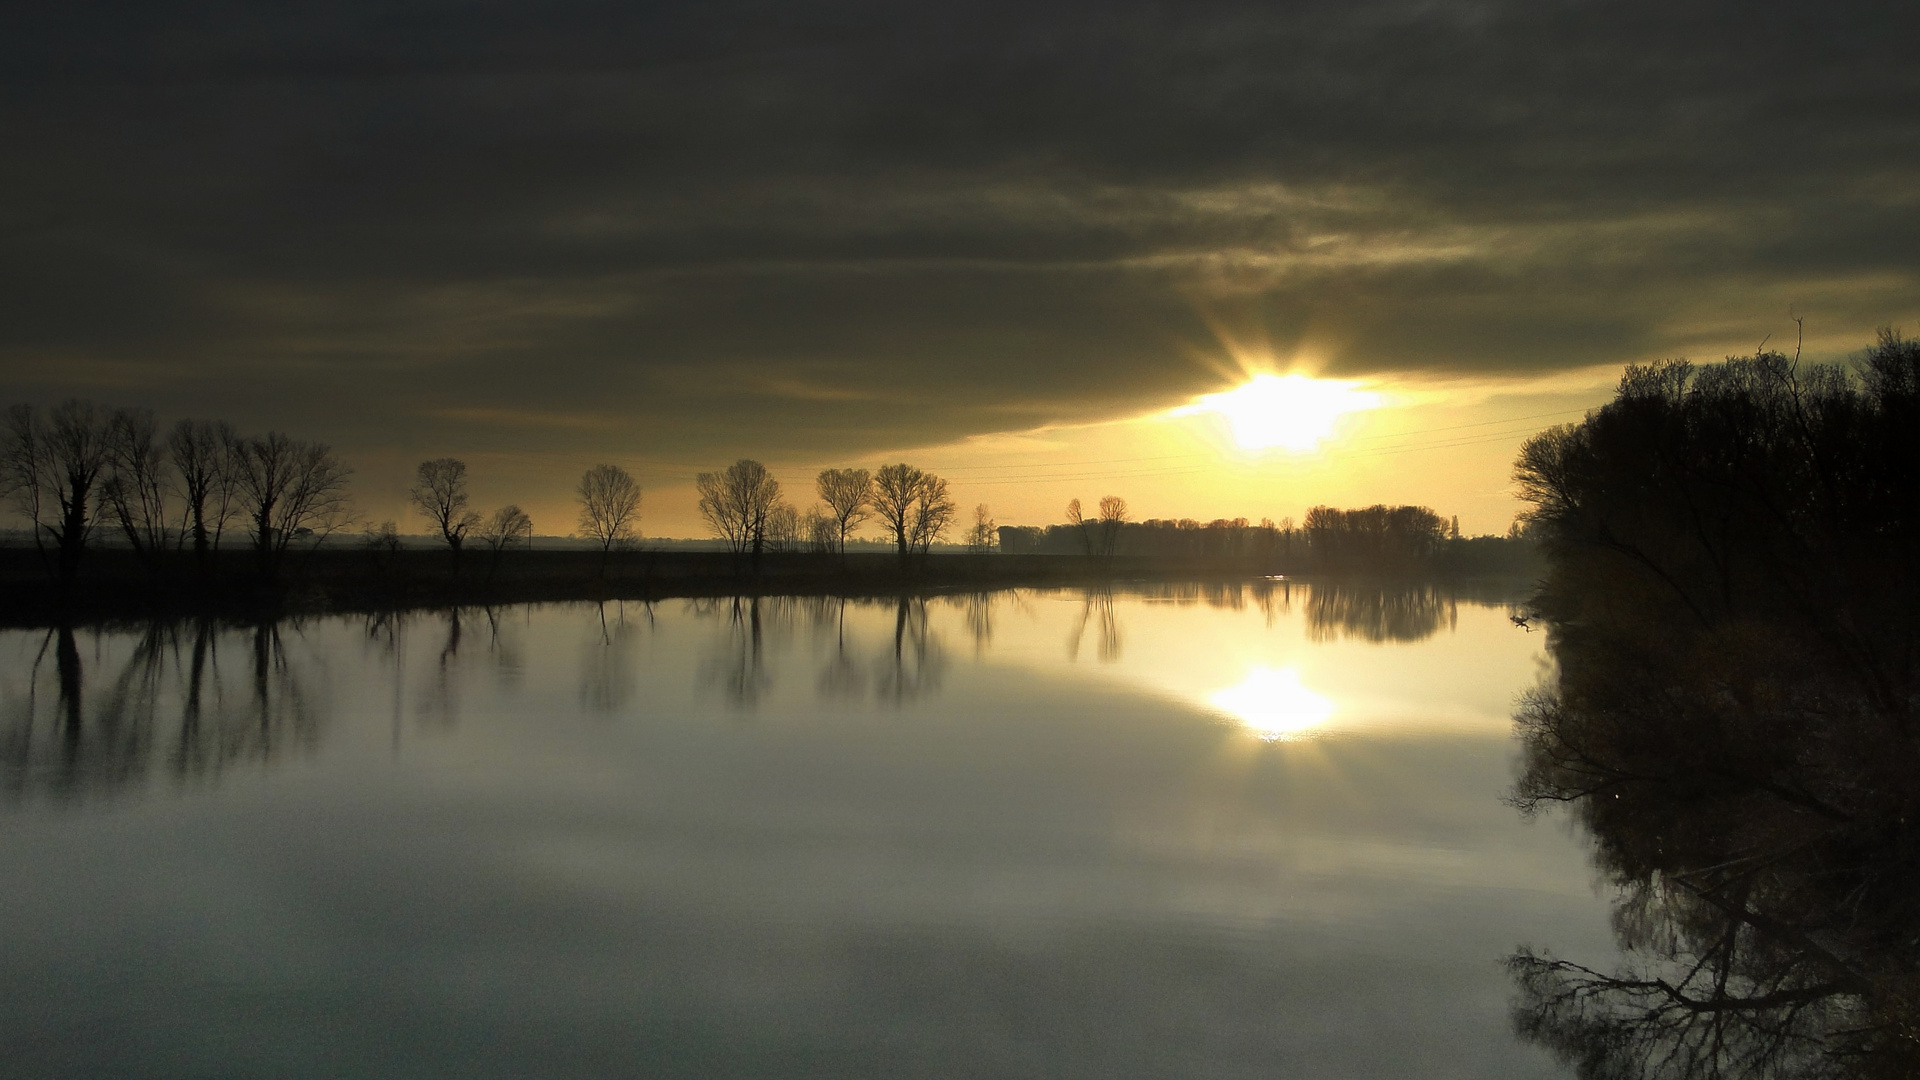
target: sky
1013 243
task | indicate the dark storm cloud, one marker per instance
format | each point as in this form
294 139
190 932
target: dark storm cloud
825 228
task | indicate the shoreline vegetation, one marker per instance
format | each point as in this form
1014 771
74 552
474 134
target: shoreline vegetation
116 583
1733 606
123 517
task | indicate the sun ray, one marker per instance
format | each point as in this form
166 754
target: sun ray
1292 412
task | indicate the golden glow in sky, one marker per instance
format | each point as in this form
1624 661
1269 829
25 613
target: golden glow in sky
1292 412
1273 704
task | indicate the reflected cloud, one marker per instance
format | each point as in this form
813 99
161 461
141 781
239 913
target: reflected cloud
1273 704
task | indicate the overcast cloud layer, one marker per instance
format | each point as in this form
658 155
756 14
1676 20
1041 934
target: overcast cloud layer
711 228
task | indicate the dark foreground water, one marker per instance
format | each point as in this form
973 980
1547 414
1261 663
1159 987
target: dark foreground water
1252 832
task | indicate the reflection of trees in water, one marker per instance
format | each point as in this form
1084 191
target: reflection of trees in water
1752 800
977 609
607 669
1755 815
504 647
842 676
190 699
737 665
914 661
452 636
1096 608
1273 598
909 663
439 700
1337 610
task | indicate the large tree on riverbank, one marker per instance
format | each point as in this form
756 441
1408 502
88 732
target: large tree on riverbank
1734 596
609 506
439 493
914 506
288 488
50 467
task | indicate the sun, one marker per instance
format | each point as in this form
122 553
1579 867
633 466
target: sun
1292 412
1273 705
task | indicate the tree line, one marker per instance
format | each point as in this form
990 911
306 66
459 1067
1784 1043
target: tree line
78 468
744 506
70 468
1377 539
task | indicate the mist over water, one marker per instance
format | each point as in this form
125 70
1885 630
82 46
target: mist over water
1220 831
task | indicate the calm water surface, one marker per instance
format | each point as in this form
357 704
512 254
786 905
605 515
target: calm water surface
1238 832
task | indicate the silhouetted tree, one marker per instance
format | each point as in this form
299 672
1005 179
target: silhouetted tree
895 489
135 488
50 468
439 493
609 508
737 502
821 528
783 528
981 537
204 455
1376 538
382 544
508 527
933 513
848 494
1113 514
288 488
1077 521
1731 594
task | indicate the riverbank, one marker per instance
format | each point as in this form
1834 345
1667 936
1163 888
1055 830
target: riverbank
113 584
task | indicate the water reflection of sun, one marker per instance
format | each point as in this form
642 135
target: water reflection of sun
1273 705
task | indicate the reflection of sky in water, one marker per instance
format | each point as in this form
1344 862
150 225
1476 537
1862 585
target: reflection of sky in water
1461 678
788 838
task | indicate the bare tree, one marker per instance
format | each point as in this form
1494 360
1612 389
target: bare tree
783 528
383 538
737 502
508 527
1113 514
1078 520
895 488
609 507
204 455
439 493
50 468
136 484
289 488
933 512
821 528
981 536
848 494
